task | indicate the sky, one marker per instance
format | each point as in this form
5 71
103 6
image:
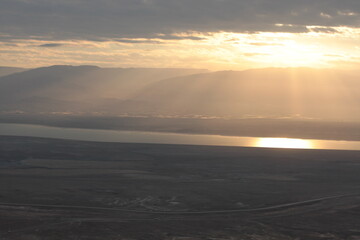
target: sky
211 34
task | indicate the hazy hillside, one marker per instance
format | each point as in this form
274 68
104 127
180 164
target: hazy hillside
269 93
82 88
10 70
264 92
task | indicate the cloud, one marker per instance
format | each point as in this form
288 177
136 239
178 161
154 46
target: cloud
157 39
177 37
255 54
51 45
265 44
114 19
324 29
137 41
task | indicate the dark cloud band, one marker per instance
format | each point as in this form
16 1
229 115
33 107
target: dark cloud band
114 19
50 45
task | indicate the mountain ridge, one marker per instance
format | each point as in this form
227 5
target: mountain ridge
279 92
5 70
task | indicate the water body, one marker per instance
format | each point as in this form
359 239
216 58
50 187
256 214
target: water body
170 138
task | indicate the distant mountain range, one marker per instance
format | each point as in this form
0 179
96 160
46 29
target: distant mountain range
288 92
80 88
10 70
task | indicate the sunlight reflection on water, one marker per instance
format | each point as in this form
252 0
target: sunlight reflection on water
284 143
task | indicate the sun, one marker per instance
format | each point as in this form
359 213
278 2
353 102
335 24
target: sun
277 49
283 143
292 54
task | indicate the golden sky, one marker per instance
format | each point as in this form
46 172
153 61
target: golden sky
211 34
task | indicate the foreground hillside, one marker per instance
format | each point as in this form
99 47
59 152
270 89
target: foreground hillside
57 189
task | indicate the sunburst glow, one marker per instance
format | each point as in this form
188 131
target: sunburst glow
210 50
283 143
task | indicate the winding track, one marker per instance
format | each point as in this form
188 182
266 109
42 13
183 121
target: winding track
275 207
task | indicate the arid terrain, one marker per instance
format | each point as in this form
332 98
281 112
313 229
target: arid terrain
61 189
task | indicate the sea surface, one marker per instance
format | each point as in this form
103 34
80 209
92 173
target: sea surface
170 138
